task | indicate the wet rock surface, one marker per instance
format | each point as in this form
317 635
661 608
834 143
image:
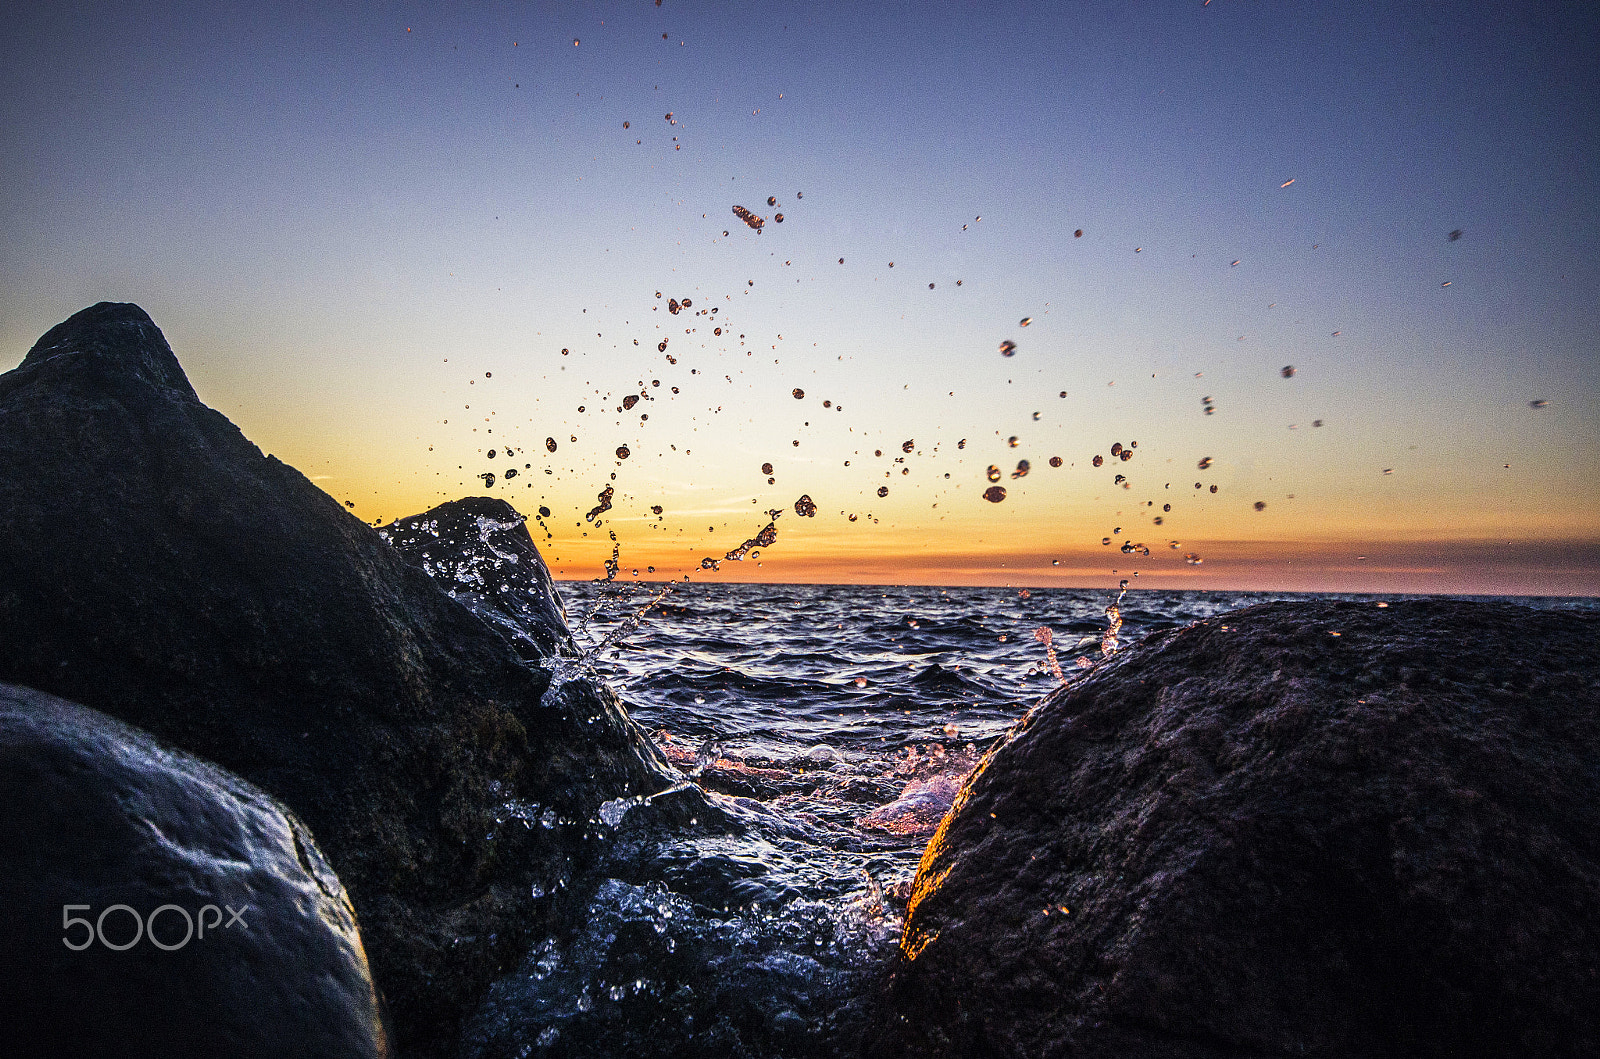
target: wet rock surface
1325 829
158 567
205 921
479 551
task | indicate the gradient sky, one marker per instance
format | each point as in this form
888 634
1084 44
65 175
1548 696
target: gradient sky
370 230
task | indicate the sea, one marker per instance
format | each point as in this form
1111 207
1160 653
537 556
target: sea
824 730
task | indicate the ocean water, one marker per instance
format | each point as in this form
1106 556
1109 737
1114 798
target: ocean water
822 732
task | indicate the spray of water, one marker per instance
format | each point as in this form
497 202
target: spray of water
1108 642
1046 637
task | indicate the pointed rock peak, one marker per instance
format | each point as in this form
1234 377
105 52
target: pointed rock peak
120 333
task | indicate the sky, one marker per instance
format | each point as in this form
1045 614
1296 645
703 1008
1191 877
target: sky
1343 255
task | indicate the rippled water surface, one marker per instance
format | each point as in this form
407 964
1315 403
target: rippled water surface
822 732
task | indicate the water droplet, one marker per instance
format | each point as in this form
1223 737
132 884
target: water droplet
748 218
994 494
1205 462
1455 235
1261 505
1541 403
1012 441
772 200
883 490
629 401
799 394
993 473
1288 371
779 218
550 443
1055 461
1192 559
805 507
655 509
625 124
1022 469
622 452
907 446
1098 460
1008 348
766 468
544 512
1078 234
488 480
1025 321
1213 488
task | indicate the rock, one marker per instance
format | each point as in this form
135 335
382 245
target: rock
479 551
1319 828
157 905
156 566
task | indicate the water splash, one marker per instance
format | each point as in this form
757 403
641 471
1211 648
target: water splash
1045 636
1108 641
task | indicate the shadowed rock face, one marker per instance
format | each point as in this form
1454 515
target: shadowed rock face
254 952
1256 837
479 551
155 565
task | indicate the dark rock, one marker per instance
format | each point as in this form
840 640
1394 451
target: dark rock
479 551
245 944
1322 829
155 565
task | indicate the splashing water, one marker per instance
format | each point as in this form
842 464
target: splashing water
1045 636
1108 642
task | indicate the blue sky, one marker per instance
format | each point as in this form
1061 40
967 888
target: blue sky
345 215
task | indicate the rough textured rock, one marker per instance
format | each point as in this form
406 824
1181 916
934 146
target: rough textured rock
1322 829
155 565
254 952
479 551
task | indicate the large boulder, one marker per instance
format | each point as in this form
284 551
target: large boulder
155 565
1319 828
479 551
157 905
